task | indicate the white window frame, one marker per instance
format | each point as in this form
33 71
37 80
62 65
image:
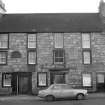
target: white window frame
6 81
3 57
34 60
31 40
59 40
86 40
3 41
42 79
85 59
87 80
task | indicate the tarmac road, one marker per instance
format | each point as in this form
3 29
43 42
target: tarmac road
90 101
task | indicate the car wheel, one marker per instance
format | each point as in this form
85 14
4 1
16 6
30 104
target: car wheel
49 98
80 96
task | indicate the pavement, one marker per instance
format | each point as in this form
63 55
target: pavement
33 97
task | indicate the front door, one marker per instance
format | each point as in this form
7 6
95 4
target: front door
24 84
21 83
101 82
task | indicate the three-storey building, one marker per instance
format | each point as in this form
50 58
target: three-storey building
37 50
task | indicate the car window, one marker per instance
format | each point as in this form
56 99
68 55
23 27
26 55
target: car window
61 87
57 87
66 87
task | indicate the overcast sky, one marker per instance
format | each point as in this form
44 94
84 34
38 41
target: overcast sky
51 6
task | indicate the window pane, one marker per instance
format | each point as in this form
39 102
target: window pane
7 79
59 56
86 55
31 40
56 53
2 58
86 79
86 40
58 37
100 78
56 59
61 53
42 79
32 58
3 40
60 59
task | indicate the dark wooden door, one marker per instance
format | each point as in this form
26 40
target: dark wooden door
21 83
24 84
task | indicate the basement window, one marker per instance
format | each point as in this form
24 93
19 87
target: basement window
86 57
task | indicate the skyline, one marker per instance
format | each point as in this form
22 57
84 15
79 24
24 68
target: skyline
51 6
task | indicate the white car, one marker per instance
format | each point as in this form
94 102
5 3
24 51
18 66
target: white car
62 91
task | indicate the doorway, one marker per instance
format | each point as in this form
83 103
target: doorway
21 82
57 77
100 82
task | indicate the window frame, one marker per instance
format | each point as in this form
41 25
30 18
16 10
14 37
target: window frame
55 40
46 81
6 54
60 63
7 41
97 79
90 81
28 41
4 74
28 57
86 50
89 41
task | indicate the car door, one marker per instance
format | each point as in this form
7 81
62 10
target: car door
67 92
56 91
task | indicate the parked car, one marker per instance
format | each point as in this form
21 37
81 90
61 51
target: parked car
62 91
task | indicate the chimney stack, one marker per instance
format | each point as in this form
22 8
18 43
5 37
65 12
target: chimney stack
2 8
102 8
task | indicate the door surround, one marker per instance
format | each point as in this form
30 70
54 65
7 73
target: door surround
19 82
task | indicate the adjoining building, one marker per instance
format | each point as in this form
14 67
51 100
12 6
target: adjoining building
2 7
37 50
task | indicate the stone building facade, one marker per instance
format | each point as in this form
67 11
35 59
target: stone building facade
37 50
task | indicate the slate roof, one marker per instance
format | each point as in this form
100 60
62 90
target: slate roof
52 22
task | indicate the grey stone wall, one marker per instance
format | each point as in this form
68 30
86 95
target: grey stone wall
45 47
17 42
